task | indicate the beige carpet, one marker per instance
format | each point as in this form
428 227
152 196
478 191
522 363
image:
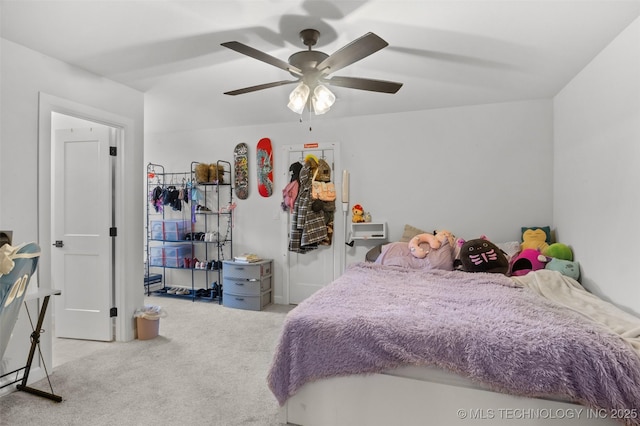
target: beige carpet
208 366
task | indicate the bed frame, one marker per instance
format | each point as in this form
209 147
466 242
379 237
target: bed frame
417 396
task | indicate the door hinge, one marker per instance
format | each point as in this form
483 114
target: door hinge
113 151
113 312
113 232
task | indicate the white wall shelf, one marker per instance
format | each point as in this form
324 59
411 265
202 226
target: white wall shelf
367 231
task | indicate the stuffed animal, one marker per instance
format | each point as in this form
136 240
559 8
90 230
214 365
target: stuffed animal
565 267
559 251
481 255
442 235
526 261
420 252
358 214
534 238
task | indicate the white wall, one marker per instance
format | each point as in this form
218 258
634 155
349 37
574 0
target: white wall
474 170
597 169
24 74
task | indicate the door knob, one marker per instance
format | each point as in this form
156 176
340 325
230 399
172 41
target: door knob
58 243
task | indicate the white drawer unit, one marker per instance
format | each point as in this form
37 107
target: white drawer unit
247 285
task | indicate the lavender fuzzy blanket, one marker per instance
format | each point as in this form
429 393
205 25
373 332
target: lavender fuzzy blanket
482 326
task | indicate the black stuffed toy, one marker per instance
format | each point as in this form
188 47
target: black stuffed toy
481 255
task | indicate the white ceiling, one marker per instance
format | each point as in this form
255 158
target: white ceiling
447 53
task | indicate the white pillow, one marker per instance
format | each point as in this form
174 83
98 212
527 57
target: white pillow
511 248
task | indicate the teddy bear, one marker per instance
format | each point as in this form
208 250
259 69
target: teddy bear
358 214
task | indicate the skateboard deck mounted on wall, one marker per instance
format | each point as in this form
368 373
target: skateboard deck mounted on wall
241 167
265 167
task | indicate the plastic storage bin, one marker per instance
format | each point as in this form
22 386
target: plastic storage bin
156 261
173 236
157 251
174 254
168 229
173 263
174 229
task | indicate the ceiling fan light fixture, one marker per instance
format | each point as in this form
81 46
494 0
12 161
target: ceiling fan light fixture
298 98
311 67
322 99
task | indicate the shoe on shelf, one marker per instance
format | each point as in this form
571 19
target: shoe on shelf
203 292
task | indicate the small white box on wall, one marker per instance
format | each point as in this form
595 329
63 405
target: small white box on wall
369 231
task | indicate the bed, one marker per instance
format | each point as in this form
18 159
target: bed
388 345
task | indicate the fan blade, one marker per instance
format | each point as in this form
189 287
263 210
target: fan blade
365 84
352 52
260 87
261 56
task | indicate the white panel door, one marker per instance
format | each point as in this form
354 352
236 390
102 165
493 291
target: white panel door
81 194
308 272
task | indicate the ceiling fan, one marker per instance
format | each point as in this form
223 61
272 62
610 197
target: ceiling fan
312 68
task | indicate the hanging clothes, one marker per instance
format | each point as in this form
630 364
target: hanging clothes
328 211
299 207
328 208
170 197
290 192
156 198
307 227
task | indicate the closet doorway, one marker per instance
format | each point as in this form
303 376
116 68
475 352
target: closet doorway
305 273
82 196
82 193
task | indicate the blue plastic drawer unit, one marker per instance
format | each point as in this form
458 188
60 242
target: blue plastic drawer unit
246 285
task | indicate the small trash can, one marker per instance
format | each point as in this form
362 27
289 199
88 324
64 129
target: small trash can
148 328
148 321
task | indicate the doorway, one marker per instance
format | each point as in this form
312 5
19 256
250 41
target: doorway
306 273
125 297
82 194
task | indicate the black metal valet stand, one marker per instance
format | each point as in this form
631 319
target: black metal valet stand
35 343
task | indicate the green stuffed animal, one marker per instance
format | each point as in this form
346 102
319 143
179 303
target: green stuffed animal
559 251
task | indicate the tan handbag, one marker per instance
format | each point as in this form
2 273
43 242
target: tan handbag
324 191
